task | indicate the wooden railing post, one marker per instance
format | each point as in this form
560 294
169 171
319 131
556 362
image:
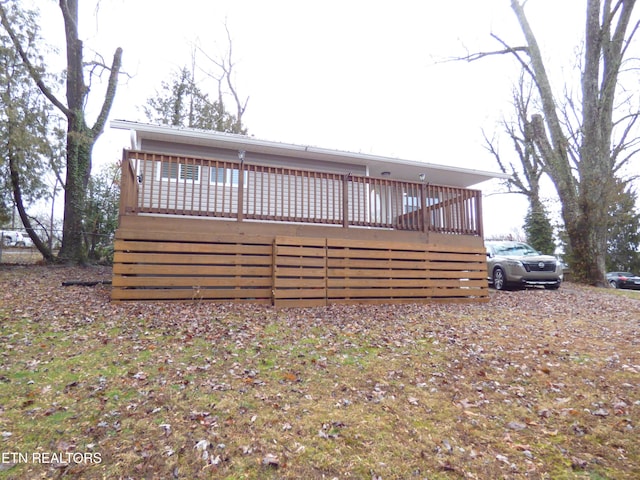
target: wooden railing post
124 183
128 186
423 207
479 226
241 190
345 200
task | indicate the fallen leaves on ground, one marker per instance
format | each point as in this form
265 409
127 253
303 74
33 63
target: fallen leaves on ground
533 384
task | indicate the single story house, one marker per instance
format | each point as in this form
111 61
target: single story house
216 216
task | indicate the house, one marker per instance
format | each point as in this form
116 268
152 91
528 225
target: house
224 217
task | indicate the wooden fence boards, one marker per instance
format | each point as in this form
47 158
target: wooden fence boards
183 266
299 271
191 259
292 271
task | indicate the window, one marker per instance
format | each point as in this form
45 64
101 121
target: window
225 176
411 204
180 171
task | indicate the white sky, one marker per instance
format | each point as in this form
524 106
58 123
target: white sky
358 75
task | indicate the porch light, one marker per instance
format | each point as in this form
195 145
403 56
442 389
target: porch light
386 174
422 176
241 155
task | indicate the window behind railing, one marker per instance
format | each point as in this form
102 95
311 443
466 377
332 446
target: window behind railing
290 195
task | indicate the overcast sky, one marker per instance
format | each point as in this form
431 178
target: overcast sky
364 76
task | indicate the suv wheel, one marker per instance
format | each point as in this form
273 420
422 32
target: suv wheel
499 279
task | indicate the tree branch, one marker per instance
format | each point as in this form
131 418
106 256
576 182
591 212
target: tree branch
110 95
33 71
472 57
226 67
240 107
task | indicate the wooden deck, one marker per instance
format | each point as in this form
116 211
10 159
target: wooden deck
291 238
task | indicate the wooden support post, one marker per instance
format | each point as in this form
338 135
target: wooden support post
345 200
479 226
128 186
423 207
240 191
124 183
274 258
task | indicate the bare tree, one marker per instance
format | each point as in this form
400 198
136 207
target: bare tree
80 136
224 78
582 162
526 174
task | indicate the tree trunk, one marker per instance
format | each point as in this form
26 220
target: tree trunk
585 198
79 147
17 198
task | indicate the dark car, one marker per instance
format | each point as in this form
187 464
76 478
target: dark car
516 264
623 280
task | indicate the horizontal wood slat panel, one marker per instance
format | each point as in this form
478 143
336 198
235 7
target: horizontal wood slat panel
370 282
378 301
444 248
300 293
283 240
302 251
370 271
377 263
389 254
393 293
190 282
191 259
376 273
258 295
183 265
192 271
306 281
175 247
355 293
179 235
302 283
424 282
300 272
291 271
374 244
318 262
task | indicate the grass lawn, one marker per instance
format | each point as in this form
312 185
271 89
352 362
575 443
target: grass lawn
533 384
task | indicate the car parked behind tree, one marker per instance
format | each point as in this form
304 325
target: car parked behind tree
623 280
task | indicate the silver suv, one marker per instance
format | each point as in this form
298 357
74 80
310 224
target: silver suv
516 264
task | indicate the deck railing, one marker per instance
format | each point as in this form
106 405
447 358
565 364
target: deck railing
182 185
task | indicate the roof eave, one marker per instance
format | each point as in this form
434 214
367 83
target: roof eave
404 169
